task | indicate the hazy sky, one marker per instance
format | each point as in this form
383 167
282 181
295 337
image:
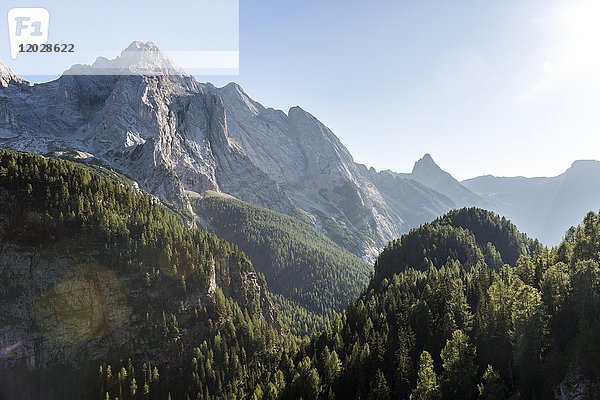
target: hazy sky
505 87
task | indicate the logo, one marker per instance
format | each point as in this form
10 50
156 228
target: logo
27 26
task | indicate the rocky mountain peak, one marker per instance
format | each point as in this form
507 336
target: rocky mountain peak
7 76
137 45
425 164
139 58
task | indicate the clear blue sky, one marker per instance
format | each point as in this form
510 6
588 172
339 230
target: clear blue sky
505 87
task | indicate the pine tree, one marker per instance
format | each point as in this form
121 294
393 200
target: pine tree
493 387
458 362
379 387
427 387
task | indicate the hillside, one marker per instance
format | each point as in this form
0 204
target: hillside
107 294
465 331
99 277
298 261
470 236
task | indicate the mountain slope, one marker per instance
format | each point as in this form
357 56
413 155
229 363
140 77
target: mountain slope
95 273
470 236
464 331
177 137
545 207
298 261
172 134
414 202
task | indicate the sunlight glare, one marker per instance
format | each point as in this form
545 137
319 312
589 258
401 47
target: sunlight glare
579 23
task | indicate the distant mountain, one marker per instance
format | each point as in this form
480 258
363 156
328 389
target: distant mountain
428 173
544 208
415 202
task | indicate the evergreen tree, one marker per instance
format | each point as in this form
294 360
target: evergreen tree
458 362
493 387
427 387
379 387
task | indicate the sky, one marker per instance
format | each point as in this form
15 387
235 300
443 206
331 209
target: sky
186 29
486 87
505 87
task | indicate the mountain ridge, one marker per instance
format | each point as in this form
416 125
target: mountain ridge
544 207
176 136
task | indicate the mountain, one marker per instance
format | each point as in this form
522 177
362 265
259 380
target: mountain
544 207
139 58
8 77
428 173
178 138
298 261
106 293
414 202
441 326
470 236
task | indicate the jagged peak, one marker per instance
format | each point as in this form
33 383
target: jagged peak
233 88
239 97
297 110
7 76
425 163
139 58
142 46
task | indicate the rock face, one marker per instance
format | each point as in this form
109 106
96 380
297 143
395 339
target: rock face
8 77
178 138
63 307
577 385
79 308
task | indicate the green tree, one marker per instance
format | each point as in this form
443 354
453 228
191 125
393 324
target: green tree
427 387
556 286
331 365
379 387
493 387
458 361
529 319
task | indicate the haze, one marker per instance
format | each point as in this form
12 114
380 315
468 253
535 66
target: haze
507 88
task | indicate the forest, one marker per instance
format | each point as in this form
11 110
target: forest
311 277
465 307
455 323
181 338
